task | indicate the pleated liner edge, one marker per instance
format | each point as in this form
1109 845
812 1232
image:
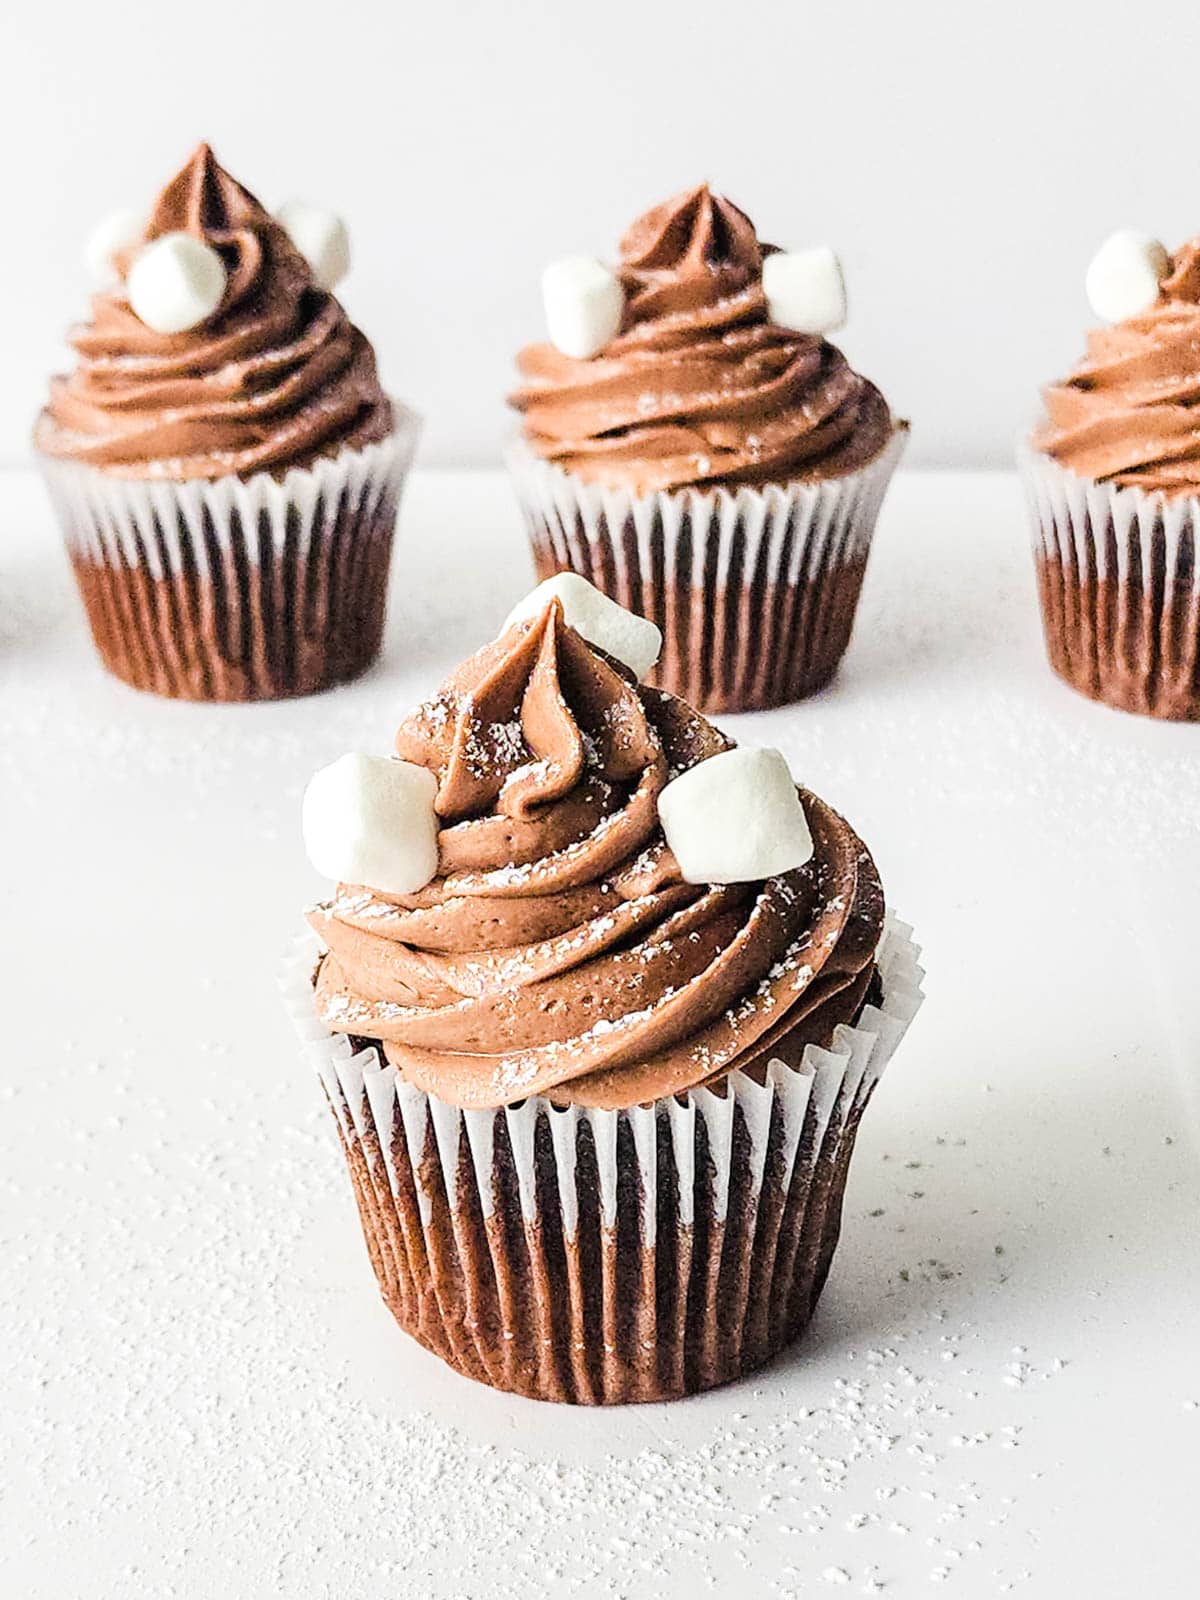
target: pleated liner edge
602 1257
755 589
1119 584
234 589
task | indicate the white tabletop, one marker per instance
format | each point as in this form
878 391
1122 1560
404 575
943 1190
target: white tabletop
202 1394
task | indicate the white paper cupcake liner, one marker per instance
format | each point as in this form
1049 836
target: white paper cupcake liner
602 1256
1119 583
755 589
237 589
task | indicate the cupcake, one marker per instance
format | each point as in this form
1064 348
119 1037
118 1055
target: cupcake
598 1003
1113 480
694 447
225 465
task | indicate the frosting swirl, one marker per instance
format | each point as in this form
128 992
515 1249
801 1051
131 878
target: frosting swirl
1130 411
558 950
699 387
275 378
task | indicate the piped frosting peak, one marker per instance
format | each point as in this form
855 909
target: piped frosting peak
275 377
559 949
699 387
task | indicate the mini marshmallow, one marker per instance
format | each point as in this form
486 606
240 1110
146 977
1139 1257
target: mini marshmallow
805 289
117 231
584 305
321 239
735 818
601 621
1125 273
370 820
176 283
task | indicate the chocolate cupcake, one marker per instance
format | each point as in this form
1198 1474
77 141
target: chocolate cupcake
225 465
1113 479
598 1004
695 447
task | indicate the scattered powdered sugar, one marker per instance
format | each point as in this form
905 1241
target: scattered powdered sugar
511 876
251 1379
367 909
203 1398
437 713
514 1071
509 742
530 772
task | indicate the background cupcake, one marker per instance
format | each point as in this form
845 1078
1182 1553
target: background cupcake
1113 477
696 448
225 465
600 1004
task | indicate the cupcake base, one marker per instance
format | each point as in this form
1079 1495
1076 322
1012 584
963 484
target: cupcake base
730 648
231 590
608 1257
1119 588
755 590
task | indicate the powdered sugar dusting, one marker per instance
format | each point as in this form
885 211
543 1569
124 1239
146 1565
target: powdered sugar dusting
203 1397
868 1440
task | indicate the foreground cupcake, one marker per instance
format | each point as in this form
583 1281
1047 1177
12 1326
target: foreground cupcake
1113 474
600 1004
224 462
695 447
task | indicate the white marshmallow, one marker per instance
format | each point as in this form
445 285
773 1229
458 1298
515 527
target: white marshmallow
601 621
117 231
1125 273
176 283
321 239
370 820
584 304
805 289
735 818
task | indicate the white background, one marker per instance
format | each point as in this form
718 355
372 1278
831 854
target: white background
965 158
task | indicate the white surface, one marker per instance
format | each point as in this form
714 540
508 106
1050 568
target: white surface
965 161
202 1395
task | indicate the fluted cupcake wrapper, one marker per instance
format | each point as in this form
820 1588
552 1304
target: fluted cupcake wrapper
755 589
601 1257
1119 584
237 589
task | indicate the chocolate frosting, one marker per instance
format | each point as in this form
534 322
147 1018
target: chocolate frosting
699 387
558 950
275 378
1130 412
